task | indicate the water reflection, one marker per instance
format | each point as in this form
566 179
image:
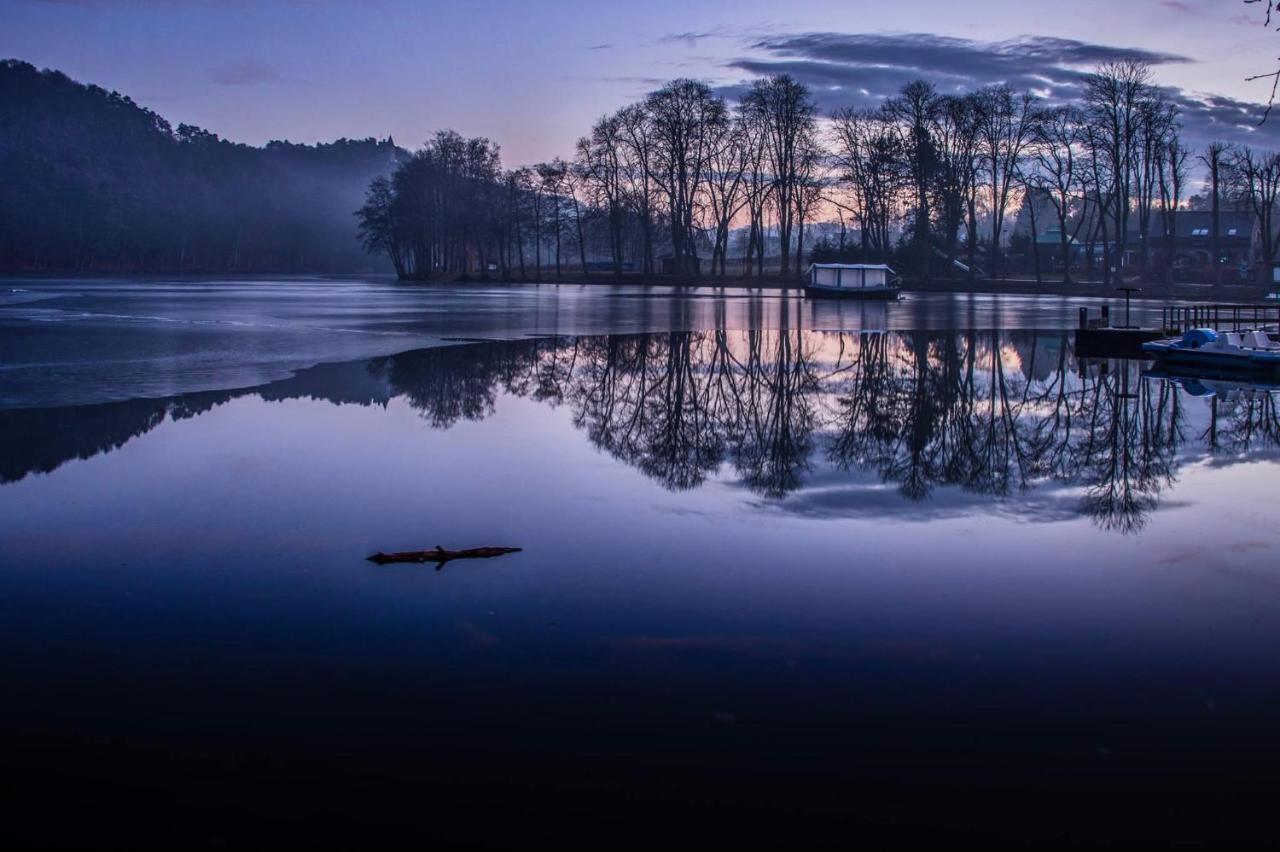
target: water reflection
987 414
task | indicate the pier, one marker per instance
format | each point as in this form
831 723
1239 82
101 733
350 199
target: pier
1096 337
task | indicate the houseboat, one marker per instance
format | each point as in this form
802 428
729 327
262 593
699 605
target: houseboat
852 281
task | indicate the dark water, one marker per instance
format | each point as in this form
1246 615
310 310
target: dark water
777 583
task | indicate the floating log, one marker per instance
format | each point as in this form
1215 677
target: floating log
440 556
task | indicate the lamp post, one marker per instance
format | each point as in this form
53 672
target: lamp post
1127 292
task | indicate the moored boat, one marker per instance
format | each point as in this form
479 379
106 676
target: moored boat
852 281
1209 350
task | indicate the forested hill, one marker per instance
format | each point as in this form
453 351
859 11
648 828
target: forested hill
92 182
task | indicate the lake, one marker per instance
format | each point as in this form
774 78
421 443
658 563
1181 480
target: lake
788 567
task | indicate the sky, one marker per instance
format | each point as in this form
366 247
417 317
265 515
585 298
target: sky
533 76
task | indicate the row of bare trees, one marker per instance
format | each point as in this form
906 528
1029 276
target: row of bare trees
687 164
927 180
953 167
672 175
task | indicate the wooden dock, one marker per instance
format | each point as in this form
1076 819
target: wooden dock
1113 342
1097 338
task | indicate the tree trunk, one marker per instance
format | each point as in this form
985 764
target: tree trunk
1035 243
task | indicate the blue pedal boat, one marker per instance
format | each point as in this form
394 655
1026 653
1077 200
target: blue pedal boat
1231 351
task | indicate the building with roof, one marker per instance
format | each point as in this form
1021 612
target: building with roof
1191 246
1193 240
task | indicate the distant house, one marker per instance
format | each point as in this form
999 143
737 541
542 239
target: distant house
1193 240
1049 247
1192 243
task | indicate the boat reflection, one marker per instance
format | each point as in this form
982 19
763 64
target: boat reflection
991 415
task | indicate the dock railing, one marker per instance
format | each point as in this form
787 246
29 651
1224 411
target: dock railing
1176 319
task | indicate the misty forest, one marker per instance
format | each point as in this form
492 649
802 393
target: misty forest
94 183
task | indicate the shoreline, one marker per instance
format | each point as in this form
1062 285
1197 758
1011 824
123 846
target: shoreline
1180 292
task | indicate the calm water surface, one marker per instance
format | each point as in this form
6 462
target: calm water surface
875 566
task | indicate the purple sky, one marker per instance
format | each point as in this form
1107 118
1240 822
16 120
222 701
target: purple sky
534 75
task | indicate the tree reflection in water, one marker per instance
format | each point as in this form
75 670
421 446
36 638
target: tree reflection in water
990 413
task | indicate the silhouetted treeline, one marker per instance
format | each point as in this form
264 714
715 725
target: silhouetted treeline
985 183
92 182
657 186
684 181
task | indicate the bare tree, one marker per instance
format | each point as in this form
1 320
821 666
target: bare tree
1032 180
1171 174
685 115
956 134
575 179
1273 76
757 188
1101 182
1006 124
726 184
636 134
1214 159
1060 174
1157 125
786 112
1255 179
808 193
868 160
914 112
600 157
1117 94
552 183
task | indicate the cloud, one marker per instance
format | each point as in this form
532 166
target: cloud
691 39
651 82
954 53
862 69
245 72
1206 117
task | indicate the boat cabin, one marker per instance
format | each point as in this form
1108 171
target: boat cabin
851 276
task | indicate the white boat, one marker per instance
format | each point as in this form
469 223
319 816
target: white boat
852 281
1208 350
